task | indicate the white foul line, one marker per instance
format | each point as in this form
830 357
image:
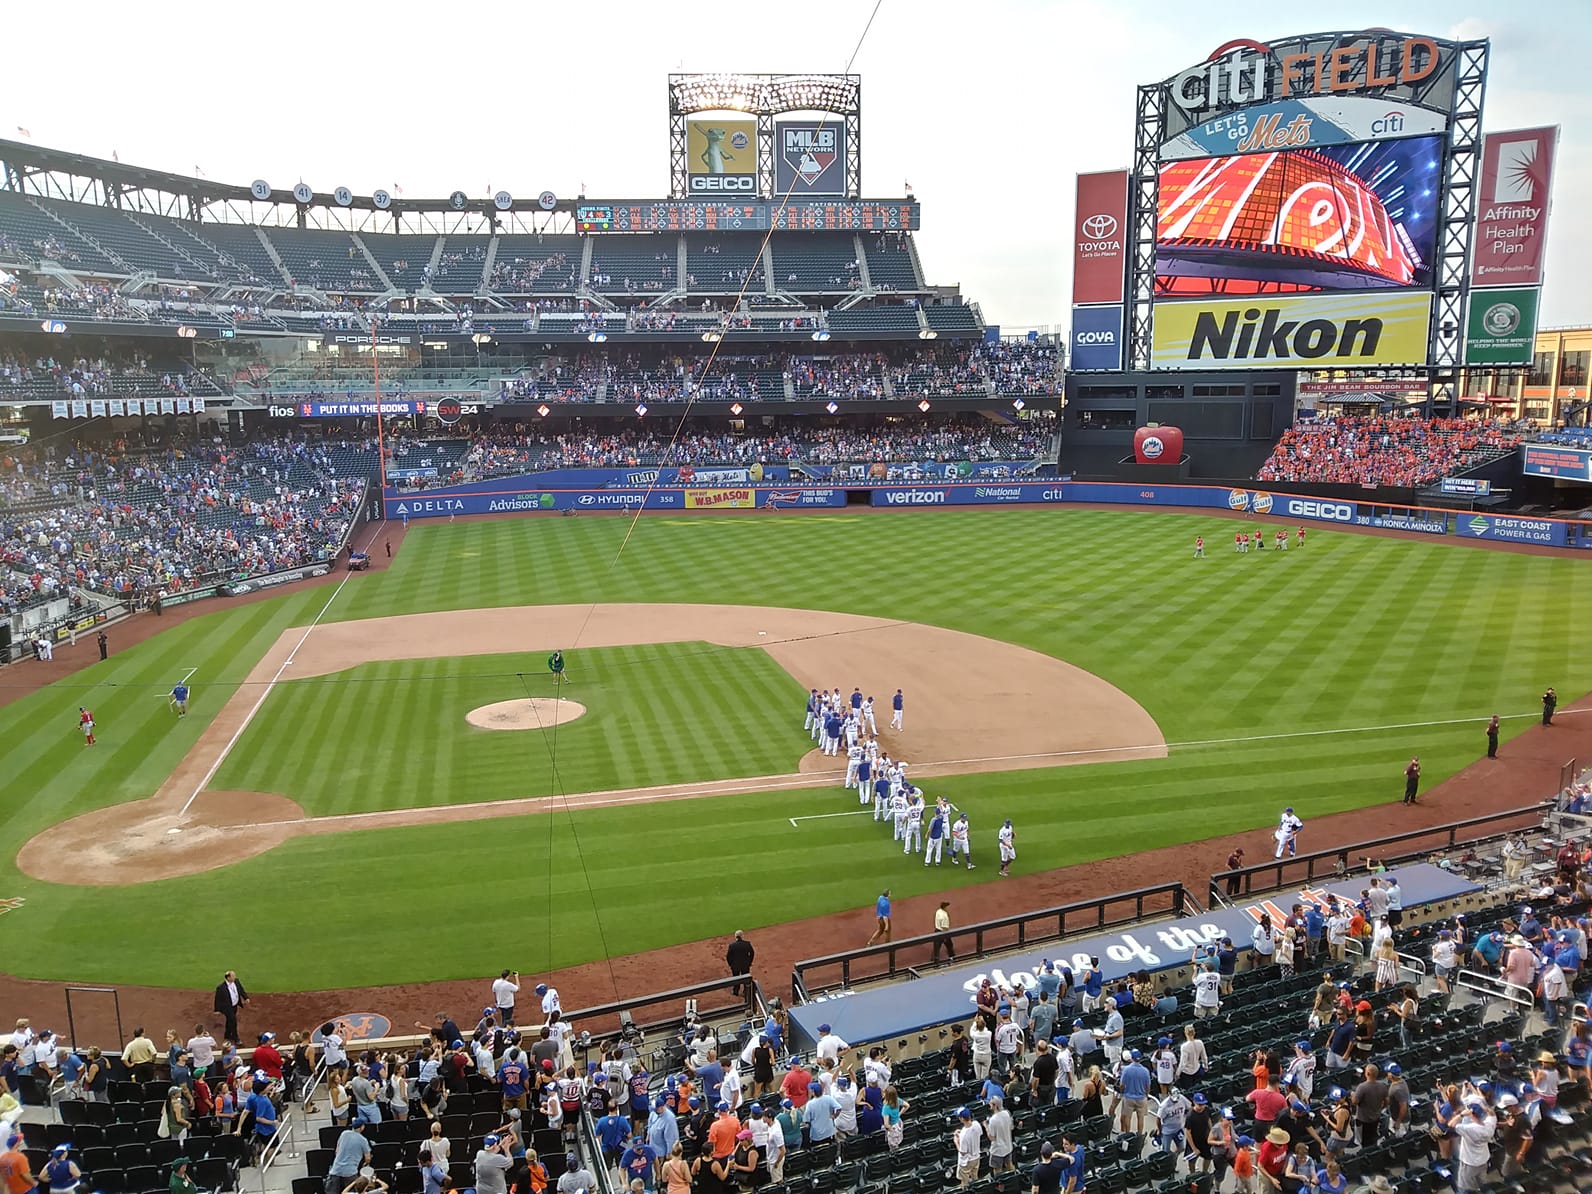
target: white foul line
861 812
260 700
186 674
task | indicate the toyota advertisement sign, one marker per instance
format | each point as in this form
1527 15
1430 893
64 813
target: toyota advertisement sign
1100 237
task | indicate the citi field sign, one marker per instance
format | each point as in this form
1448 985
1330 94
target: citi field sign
1318 69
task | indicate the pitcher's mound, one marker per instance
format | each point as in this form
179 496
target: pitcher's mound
533 713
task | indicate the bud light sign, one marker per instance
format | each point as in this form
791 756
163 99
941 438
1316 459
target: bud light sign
1097 338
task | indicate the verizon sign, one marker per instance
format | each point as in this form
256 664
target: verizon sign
1099 257
1512 211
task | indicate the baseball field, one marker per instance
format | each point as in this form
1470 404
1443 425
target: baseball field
330 804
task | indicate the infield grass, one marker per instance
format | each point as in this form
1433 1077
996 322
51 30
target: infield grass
1239 654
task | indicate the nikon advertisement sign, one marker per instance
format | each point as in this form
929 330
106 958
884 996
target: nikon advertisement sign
1309 331
1502 326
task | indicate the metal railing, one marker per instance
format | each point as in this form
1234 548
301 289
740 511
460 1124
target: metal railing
287 1124
1278 873
1490 986
897 958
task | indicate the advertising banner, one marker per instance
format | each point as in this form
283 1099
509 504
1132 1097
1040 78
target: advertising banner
1501 327
1310 331
1100 229
719 499
721 158
1403 522
810 157
1514 530
347 410
1096 339
1165 944
1465 486
1298 123
1512 211
1343 217
1542 460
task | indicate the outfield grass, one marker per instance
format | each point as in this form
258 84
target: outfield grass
393 734
1352 632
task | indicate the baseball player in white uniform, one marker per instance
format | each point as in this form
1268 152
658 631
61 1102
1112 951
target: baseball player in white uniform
1008 840
853 729
912 839
812 708
853 757
819 708
960 844
867 712
1287 835
898 813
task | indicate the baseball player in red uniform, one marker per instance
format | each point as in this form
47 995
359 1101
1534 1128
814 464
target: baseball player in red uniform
1282 540
1260 541
85 722
1240 542
1199 547
1301 536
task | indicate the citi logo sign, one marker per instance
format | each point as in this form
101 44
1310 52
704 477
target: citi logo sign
915 497
1393 122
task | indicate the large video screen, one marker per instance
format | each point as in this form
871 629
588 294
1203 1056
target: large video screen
1338 217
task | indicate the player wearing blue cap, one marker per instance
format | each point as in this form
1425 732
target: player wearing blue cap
179 698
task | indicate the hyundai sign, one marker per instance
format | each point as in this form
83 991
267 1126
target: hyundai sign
1097 339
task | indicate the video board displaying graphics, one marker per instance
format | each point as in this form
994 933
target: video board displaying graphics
721 157
1337 217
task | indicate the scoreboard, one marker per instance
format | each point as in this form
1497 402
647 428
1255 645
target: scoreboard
798 215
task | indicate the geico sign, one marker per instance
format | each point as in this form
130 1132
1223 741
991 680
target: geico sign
915 497
720 184
1331 511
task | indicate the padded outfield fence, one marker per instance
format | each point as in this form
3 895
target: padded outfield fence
903 958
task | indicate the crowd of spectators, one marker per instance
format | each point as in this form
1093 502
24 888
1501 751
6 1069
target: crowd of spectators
133 522
1384 449
503 454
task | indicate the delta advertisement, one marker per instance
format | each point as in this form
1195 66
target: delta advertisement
1309 331
1099 255
721 158
1512 211
810 157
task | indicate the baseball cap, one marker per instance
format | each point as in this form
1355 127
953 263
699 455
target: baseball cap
267 1036
693 1102
1505 1047
823 1028
721 1105
1305 1045
1362 1006
744 1134
1199 1099
963 1113
660 1101
548 1066
1244 1141
541 989
816 1087
458 1044
488 1011
1394 1068
1335 1094
1508 1100
843 1082
61 1148
1077 1023
1135 1054
1164 1041
786 1103
491 1141
755 1109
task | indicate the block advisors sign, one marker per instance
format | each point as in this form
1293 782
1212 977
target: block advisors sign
1512 212
1314 331
1501 328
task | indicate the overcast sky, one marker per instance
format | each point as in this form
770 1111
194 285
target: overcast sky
988 109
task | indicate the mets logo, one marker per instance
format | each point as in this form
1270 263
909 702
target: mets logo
1262 503
781 499
1238 499
1153 447
362 1026
11 904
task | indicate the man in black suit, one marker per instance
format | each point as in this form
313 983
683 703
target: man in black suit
739 958
230 996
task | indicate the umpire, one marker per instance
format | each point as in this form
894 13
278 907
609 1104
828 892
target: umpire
738 957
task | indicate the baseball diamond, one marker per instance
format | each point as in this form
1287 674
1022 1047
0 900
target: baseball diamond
1025 639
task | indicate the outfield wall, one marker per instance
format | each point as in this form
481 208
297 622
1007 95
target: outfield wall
513 496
